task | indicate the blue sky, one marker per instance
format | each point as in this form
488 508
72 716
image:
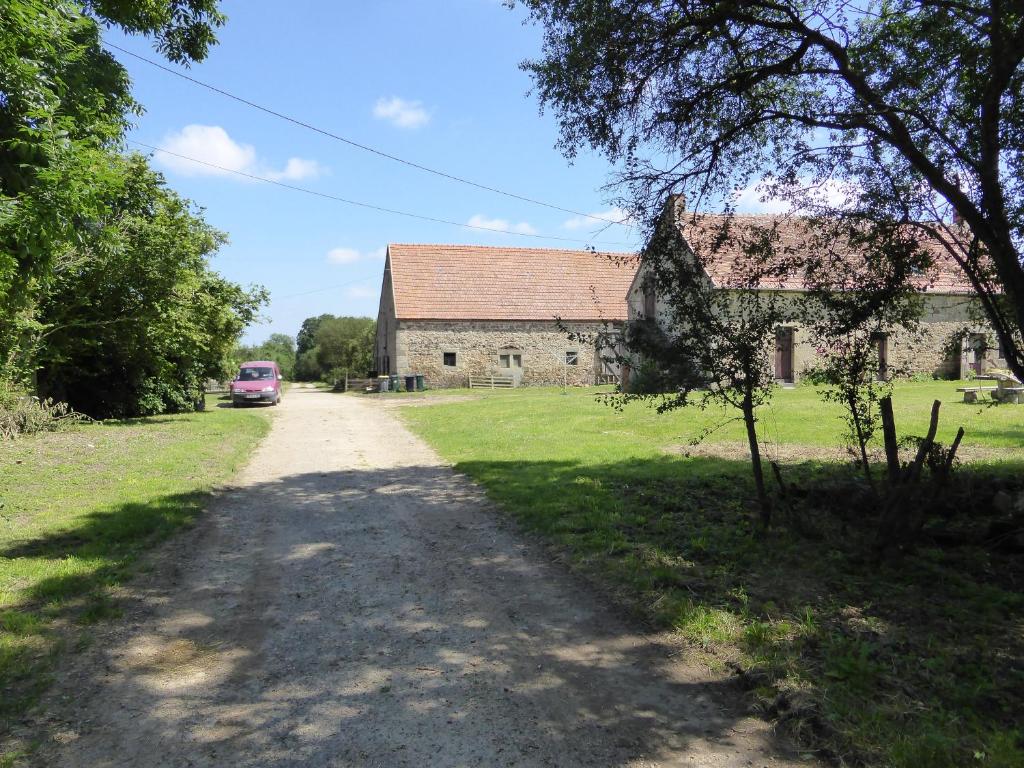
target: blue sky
436 83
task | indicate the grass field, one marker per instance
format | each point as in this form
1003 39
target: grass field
907 663
78 507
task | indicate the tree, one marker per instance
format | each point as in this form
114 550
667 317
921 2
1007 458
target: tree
66 104
279 347
711 347
133 321
305 340
345 344
896 113
851 305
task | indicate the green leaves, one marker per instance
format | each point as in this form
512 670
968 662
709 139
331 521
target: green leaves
915 108
133 321
97 258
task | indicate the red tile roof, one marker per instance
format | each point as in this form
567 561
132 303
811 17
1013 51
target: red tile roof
728 264
471 282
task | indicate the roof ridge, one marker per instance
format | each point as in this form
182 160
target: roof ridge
459 246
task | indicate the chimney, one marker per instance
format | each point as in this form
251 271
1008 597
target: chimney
677 205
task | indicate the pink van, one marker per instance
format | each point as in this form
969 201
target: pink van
258 381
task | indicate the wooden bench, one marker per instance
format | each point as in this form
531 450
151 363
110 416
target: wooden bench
971 393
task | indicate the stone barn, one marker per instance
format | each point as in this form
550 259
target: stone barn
455 311
949 343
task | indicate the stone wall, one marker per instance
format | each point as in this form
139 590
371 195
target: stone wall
931 350
477 345
387 328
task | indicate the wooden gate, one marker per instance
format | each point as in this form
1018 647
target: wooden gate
784 354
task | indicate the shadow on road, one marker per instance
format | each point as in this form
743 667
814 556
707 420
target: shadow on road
377 617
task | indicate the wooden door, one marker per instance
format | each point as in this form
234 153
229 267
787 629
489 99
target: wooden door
977 352
784 354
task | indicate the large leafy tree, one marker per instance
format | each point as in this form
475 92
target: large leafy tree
133 320
345 344
878 113
64 108
279 347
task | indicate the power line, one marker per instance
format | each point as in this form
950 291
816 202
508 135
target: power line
356 144
359 204
319 290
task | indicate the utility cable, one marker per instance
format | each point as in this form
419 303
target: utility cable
320 290
369 206
356 144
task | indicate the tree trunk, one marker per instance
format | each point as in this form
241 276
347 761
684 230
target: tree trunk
914 470
861 444
1006 259
755 462
892 449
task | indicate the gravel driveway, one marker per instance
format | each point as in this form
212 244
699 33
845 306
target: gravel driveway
354 602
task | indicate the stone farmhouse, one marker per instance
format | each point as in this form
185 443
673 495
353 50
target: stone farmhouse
949 343
454 311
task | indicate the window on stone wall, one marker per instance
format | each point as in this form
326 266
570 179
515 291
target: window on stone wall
504 361
572 358
650 300
449 359
517 361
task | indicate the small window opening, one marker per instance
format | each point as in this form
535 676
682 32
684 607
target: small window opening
449 359
517 361
504 360
650 300
572 358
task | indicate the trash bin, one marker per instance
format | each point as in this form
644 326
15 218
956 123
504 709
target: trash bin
393 380
410 383
420 382
382 383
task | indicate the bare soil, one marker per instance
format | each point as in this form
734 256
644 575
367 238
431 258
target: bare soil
795 453
354 602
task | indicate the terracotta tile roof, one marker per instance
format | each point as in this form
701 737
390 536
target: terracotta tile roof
725 260
470 282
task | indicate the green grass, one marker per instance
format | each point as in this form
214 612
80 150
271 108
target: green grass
907 663
78 507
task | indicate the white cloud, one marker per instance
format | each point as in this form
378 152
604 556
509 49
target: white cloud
501 225
754 198
401 113
588 222
212 145
296 169
351 255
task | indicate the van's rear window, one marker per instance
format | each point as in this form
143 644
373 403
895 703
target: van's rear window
255 374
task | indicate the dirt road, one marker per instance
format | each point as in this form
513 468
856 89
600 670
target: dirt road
353 602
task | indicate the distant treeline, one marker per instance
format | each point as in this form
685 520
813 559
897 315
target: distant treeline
326 348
